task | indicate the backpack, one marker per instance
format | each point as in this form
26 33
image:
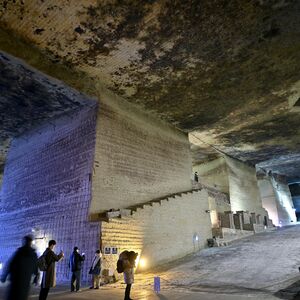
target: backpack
120 266
42 264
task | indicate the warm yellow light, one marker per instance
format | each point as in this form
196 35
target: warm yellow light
142 263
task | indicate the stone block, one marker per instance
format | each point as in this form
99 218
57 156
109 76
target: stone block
47 189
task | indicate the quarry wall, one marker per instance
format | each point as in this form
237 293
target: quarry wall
284 202
137 158
162 232
46 189
214 173
243 188
269 201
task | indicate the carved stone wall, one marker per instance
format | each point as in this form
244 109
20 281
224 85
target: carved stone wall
160 232
137 157
47 187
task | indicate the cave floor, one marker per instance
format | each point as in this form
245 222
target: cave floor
256 267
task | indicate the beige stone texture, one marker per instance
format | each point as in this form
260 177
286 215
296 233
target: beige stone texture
277 200
162 232
217 206
137 158
268 198
244 192
284 202
214 174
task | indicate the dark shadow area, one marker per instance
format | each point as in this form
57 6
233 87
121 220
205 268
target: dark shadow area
290 292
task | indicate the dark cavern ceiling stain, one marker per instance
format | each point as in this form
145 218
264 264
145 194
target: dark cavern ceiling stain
226 71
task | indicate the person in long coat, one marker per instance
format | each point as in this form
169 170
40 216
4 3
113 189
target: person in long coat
128 258
95 270
49 276
21 267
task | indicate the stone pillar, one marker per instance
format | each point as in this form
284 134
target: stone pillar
258 219
241 220
224 220
253 218
231 220
246 218
238 220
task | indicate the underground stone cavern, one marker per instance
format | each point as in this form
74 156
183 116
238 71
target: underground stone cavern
107 115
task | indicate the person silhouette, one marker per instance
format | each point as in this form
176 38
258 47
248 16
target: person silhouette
20 268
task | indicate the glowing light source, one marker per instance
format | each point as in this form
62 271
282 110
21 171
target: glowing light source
142 263
40 245
1 266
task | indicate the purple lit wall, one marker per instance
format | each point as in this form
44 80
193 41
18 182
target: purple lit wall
47 187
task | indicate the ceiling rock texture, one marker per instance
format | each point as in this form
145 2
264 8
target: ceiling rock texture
226 71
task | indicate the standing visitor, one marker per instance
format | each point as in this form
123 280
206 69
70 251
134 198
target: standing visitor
20 268
128 259
196 177
76 265
95 270
49 275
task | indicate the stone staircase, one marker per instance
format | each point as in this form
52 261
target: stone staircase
128 211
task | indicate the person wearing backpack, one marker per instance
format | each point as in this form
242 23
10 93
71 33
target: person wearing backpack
126 263
75 265
95 270
49 274
20 268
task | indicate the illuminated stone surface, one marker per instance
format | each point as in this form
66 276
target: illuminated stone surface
225 72
47 187
137 157
161 232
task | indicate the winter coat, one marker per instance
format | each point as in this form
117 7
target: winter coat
49 276
128 272
96 265
21 267
76 260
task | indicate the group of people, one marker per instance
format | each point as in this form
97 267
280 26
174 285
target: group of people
25 264
75 264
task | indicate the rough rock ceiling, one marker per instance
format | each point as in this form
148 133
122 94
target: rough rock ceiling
227 71
28 98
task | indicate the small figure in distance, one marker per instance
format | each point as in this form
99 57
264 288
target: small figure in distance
196 177
75 265
95 270
49 276
21 267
